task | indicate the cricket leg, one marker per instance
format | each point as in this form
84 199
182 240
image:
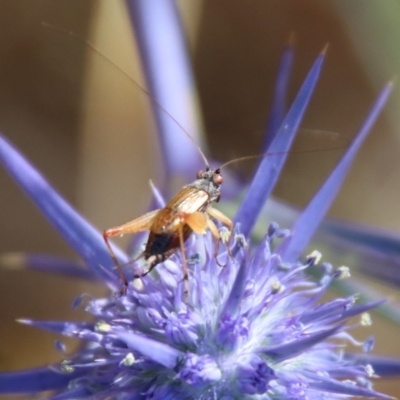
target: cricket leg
213 212
139 224
215 232
197 222
184 262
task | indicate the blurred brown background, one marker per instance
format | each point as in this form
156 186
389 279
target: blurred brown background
89 130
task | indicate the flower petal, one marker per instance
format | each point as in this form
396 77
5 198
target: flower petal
36 380
160 353
350 389
306 225
234 298
79 234
372 237
390 309
270 167
161 42
382 366
361 308
369 246
278 108
64 328
295 347
46 263
377 251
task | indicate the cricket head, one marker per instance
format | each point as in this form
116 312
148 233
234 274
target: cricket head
210 181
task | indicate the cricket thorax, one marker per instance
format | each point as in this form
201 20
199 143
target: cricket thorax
210 182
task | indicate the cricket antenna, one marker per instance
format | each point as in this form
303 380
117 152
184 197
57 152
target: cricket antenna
243 159
151 97
262 155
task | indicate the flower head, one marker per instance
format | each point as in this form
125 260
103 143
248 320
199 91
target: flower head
253 327
250 329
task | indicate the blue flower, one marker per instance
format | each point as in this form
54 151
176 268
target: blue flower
253 329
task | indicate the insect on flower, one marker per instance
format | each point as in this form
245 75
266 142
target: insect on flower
188 211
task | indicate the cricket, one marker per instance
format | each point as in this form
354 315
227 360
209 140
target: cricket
190 210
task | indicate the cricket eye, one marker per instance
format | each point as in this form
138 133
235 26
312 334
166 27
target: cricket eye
217 179
200 174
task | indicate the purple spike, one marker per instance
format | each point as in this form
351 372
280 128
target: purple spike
236 293
270 167
382 366
80 235
64 328
278 108
36 380
46 263
332 311
160 353
158 197
295 347
372 247
333 386
361 308
309 220
372 237
158 31
389 309
326 310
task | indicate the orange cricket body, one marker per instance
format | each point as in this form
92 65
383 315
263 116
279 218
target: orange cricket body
175 222
187 212
164 230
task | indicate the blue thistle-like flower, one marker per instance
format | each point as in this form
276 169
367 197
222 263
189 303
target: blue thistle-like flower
253 329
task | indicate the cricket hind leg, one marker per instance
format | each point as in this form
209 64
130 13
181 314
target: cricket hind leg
139 224
117 265
185 266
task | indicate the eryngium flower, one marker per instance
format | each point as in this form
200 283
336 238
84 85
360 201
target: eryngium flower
250 329
254 328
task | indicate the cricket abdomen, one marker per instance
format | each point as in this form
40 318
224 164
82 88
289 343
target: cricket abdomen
160 243
164 235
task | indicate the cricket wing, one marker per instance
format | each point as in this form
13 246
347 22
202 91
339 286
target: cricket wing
140 224
189 200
